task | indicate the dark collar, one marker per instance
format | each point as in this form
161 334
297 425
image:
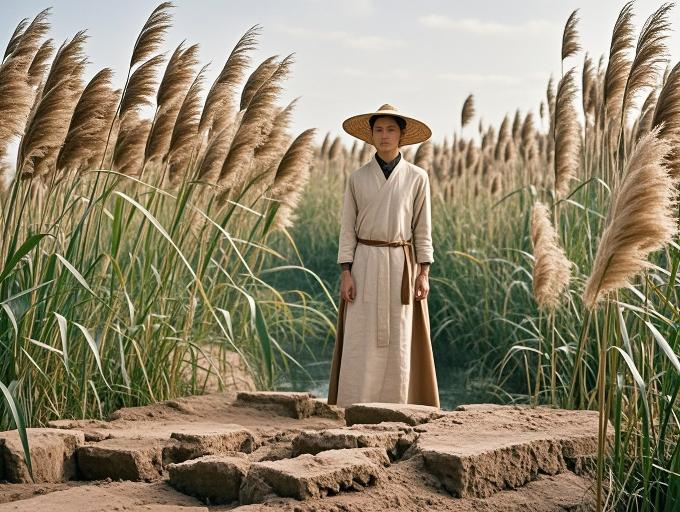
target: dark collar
387 166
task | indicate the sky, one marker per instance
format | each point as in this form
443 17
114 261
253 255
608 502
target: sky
351 56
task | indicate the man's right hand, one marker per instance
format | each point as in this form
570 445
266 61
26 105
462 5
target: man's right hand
348 289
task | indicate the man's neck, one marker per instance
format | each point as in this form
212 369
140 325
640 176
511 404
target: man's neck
388 157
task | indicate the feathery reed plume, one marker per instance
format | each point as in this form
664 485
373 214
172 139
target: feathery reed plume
335 149
140 87
185 130
468 111
258 77
570 44
516 127
14 38
567 135
25 44
650 54
641 219
588 81
618 66
68 64
503 138
152 34
552 269
291 176
277 140
509 153
550 97
424 156
39 63
256 123
178 76
15 100
220 95
129 148
325 145
216 151
91 119
646 115
49 121
667 117
528 138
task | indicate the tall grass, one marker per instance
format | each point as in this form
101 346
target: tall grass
605 167
135 252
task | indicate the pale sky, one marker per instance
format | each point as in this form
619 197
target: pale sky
353 55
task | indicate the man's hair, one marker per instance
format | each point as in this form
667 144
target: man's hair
399 120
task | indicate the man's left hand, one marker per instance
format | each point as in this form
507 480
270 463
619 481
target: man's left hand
422 288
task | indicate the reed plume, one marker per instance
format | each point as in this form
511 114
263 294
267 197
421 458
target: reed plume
178 76
220 96
552 269
16 97
185 131
424 156
48 123
257 78
618 66
291 177
528 138
25 41
468 110
255 125
588 82
152 34
641 220
39 64
91 119
650 54
667 117
567 135
503 138
570 44
277 140
646 115
140 87
129 149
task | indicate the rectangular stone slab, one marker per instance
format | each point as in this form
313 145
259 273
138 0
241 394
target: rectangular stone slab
292 404
394 438
479 451
122 459
217 441
410 414
213 479
314 476
53 455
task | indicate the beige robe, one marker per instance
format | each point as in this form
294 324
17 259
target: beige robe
383 351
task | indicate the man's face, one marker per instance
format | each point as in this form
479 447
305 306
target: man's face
386 134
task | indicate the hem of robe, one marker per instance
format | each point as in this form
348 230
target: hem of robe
422 388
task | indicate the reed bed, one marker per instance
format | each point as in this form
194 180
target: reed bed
137 221
556 251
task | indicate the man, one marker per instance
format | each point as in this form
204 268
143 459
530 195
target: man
382 348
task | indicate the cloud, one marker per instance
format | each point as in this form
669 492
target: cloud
488 28
344 38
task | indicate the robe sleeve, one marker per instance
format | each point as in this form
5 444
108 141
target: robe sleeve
348 239
422 223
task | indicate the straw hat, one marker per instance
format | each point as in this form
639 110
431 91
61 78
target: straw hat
415 131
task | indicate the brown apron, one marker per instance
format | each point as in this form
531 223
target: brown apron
423 378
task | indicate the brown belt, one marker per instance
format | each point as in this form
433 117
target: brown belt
406 275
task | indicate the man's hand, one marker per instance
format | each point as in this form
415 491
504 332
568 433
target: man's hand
348 289
422 288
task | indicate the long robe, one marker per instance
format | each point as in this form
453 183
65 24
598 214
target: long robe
383 351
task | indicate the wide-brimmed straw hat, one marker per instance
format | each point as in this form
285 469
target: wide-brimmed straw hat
416 131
